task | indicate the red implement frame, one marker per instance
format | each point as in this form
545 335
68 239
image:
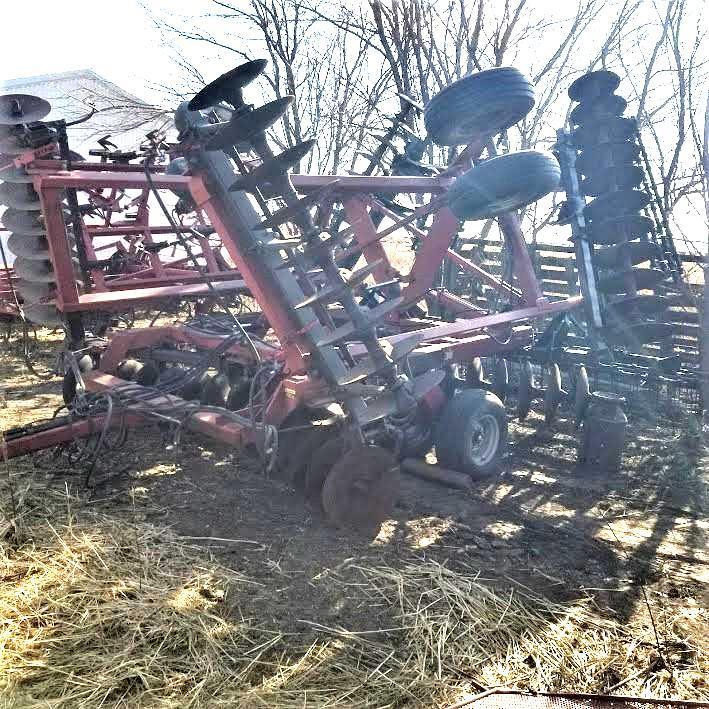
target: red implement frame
478 333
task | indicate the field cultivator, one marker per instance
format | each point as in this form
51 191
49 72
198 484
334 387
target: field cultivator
340 370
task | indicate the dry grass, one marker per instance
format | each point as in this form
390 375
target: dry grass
106 612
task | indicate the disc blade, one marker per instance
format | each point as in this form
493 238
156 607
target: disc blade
245 126
594 84
614 178
15 175
644 279
19 197
42 314
273 167
22 108
361 489
34 248
610 105
34 271
625 227
640 334
609 130
636 251
644 304
33 292
228 86
616 203
599 157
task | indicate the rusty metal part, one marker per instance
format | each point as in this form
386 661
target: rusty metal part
321 463
361 489
499 384
515 699
553 394
603 433
582 392
526 390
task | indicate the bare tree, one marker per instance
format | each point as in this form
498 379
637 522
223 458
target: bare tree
326 69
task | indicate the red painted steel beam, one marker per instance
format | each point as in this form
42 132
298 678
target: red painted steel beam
126 179
465 328
125 341
55 436
39 166
464 349
127 282
481 274
523 266
130 230
118 299
430 255
217 426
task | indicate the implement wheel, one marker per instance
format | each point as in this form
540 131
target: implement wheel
478 106
503 184
471 435
361 490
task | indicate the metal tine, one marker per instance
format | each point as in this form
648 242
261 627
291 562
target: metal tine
278 165
287 213
411 102
248 124
278 244
387 404
315 245
331 292
365 367
372 317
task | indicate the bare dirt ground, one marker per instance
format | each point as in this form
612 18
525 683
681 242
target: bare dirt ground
547 524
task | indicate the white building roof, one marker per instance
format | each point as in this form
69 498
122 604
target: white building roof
124 116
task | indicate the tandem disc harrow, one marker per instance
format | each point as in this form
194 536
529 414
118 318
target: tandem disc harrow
21 131
339 373
632 258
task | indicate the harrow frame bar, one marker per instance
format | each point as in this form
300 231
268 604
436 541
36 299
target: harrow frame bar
438 343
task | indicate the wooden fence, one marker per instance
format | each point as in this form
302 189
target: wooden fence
555 266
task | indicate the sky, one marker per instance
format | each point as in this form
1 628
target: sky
114 38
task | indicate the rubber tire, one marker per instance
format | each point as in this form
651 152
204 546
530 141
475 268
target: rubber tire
454 426
503 184
478 105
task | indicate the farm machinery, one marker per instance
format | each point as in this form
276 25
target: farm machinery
344 364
